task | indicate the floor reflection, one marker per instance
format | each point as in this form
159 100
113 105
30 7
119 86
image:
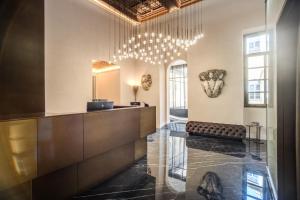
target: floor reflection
178 166
177 158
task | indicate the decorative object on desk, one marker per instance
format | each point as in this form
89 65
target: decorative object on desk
146 105
135 103
146 82
135 91
135 88
212 82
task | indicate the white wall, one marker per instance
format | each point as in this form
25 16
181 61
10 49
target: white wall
222 48
71 29
155 96
76 32
127 74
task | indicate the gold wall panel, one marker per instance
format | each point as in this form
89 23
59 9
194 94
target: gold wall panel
18 155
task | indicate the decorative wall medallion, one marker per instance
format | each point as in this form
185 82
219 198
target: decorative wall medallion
146 81
212 82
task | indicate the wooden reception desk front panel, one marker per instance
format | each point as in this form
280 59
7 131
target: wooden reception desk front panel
71 153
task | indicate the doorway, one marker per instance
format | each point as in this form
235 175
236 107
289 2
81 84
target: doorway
178 92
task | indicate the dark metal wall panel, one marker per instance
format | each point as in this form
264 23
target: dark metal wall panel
60 142
104 166
287 39
22 88
106 130
147 121
59 185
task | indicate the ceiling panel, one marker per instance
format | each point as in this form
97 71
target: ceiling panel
143 10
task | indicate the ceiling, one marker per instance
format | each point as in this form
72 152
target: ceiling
143 10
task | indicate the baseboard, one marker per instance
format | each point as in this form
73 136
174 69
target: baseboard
163 126
273 190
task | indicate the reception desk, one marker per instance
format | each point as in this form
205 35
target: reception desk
55 157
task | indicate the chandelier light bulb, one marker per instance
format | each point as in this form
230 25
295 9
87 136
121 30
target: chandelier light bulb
158 41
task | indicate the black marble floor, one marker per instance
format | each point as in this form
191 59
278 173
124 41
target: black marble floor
178 166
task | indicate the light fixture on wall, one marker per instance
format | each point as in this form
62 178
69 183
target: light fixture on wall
135 88
158 40
107 69
103 66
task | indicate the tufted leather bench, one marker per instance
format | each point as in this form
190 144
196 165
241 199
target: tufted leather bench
229 131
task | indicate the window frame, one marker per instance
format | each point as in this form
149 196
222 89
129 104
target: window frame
267 70
174 79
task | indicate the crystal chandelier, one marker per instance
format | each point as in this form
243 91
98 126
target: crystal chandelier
159 40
